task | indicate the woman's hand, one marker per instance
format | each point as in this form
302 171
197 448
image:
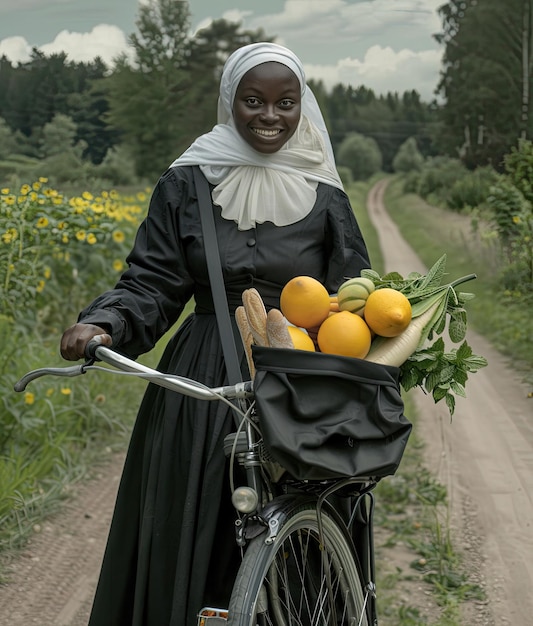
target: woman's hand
75 339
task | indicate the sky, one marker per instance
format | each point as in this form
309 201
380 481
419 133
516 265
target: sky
385 45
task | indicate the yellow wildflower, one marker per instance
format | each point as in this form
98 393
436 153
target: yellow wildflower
516 219
118 265
118 236
10 235
40 286
25 189
49 392
91 239
42 222
29 397
66 391
87 195
81 235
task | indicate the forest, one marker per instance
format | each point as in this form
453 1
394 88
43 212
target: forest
127 122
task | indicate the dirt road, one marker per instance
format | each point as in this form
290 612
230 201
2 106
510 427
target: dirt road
485 458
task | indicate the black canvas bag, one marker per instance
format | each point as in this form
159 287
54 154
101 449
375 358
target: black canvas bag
325 416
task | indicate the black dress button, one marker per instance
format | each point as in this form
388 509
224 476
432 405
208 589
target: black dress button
250 243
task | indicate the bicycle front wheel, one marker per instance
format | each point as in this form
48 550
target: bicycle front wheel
300 578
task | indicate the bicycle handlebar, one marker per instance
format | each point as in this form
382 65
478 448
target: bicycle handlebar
96 351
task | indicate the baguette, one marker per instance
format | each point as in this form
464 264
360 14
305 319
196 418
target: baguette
246 336
277 332
256 314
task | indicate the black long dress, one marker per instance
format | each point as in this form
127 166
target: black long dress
171 547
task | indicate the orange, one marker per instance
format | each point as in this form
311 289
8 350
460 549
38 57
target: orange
304 301
346 334
301 339
387 312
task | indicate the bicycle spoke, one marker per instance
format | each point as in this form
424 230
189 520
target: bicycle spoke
306 581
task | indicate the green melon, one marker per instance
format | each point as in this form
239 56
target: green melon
352 294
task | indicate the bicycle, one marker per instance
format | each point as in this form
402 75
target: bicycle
303 562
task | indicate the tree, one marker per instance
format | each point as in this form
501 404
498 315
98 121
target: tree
7 140
162 101
408 157
361 155
59 135
145 98
486 78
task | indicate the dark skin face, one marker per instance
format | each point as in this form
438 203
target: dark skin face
267 106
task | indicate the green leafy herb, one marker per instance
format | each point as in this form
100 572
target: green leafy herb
438 372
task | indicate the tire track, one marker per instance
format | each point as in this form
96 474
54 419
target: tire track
52 582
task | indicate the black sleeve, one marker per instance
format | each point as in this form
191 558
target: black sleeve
153 291
348 252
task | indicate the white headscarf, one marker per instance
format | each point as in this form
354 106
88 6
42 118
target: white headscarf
252 187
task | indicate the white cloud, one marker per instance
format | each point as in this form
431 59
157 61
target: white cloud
16 49
333 22
104 40
383 69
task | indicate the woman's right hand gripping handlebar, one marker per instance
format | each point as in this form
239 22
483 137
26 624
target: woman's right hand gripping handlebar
75 339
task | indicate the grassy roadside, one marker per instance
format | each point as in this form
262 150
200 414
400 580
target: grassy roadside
505 322
421 579
71 424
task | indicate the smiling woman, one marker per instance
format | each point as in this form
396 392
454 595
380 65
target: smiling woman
280 211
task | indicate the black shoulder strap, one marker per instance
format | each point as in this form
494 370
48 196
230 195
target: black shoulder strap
216 279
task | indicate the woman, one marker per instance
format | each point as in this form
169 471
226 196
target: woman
280 211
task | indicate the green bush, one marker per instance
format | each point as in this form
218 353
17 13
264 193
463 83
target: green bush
438 175
408 157
361 155
447 182
118 167
472 190
512 216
